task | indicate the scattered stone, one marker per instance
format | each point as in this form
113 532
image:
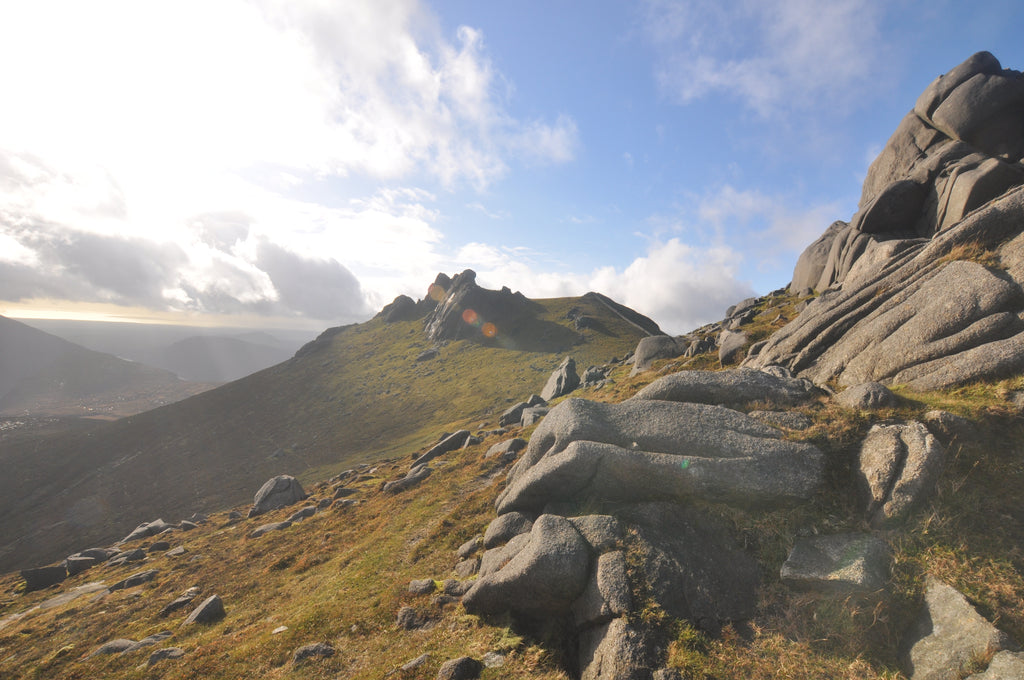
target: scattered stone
470 547
302 514
898 466
176 552
343 503
186 525
324 503
181 602
160 546
415 475
234 516
210 610
127 556
493 660
277 492
427 355
730 346
533 415
147 529
409 619
76 565
467 567
279 630
415 663
656 347
447 444
267 528
167 653
842 563
463 668
422 586
113 647
43 577
869 395
148 641
949 427
512 415
136 579
320 649
562 381
506 526
948 635
456 588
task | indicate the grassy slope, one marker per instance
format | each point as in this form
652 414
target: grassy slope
341 576
361 397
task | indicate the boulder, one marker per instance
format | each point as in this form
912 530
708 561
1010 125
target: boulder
546 575
415 475
180 602
76 565
209 610
39 578
467 567
730 346
427 354
447 444
812 261
869 395
496 558
470 547
948 635
136 579
948 427
841 563
506 527
898 466
304 513
642 450
148 641
656 347
562 381
463 668
533 415
507 447
512 415
618 650
277 492
112 647
422 586
734 388
410 619
607 594
267 528
147 529
594 376
166 653
602 532
465 308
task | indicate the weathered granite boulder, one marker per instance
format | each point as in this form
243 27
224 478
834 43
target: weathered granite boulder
869 395
415 475
209 610
655 347
948 635
165 653
267 528
462 668
732 388
512 414
452 442
645 450
147 529
547 574
562 381
898 466
730 346
617 650
841 563
607 595
505 527
39 578
277 492
509 447
402 308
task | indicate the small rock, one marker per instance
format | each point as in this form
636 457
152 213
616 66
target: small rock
456 588
211 610
409 619
1004 666
148 641
181 602
494 660
167 653
463 668
869 395
176 552
113 647
159 546
422 586
302 514
266 528
136 579
841 563
416 663
321 649
186 525
470 547
467 568
275 493
279 630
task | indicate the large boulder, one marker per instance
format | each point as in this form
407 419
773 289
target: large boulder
897 467
733 388
948 635
562 381
547 574
655 347
618 650
277 492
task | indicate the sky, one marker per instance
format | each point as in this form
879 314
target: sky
299 163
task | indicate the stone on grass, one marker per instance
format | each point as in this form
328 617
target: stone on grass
147 529
512 415
318 649
176 552
1004 666
136 579
463 668
410 619
842 563
43 577
422 586
148 641
562 381
450 443
470 547
456 588
76 565
113 647
277 492
415 663
209 611
180 602
267 528
867 395
730 346
949 427
897 468
509 446
467 567
302 514
493 660
415 475
655 347
948 635
160 546
533 415
166 653
126 556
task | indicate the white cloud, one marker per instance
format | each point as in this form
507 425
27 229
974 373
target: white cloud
774 55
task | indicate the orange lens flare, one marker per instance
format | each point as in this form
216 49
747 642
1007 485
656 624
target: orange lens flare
436 292
489 330
469 316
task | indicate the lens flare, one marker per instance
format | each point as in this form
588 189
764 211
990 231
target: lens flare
469 316
436 292
489 330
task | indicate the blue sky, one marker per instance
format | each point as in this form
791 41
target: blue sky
301 163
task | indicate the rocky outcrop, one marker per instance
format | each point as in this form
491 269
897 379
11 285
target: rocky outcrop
923 285
466 309
562 381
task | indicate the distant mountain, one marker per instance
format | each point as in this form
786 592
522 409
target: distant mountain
214 355
41 374
358 393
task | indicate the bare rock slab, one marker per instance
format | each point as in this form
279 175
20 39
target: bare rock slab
898 466
1004 666
616 651
842 563
736 387
949 634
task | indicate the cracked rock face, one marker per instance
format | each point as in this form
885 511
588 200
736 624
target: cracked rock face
902 301
898 466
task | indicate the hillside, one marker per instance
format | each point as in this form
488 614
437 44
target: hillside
43 375
356 394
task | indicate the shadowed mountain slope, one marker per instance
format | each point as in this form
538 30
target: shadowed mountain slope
355 394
